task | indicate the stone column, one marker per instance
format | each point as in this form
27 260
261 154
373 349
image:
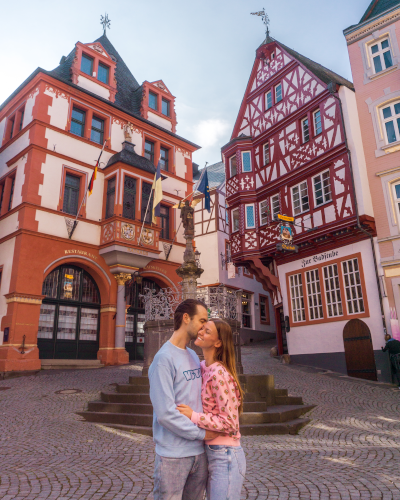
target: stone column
121 278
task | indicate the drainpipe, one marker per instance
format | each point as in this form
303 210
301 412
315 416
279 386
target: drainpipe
332 89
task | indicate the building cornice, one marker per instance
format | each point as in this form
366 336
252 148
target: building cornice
355 33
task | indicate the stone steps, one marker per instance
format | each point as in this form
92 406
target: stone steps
290 427
70 364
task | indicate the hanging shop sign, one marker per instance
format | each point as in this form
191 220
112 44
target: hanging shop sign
285 218
286 237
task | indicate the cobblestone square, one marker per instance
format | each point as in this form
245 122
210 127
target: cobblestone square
351 449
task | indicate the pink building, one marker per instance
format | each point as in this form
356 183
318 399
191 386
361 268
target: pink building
373 46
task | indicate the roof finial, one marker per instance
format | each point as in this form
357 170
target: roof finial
265 19
105 21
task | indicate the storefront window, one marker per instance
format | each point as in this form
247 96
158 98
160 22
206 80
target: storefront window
246 310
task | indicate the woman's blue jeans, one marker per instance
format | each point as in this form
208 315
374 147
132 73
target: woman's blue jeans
226 472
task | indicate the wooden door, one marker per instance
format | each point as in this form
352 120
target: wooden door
280 331
358 350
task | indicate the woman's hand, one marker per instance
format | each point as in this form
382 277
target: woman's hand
185 410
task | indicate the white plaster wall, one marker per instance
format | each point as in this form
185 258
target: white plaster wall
159 120
93 87
58 110
11 151
54 224
207 245
28 117
8 225
2 128
117 137
137 140
353 131
170 184
176 254
6 260
328 337
180 167
19 181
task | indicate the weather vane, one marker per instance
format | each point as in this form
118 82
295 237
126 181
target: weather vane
265 19
105 21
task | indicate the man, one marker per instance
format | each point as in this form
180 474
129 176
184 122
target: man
393 346
175 378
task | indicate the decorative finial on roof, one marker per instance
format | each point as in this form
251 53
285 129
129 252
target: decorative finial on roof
105 21
265 19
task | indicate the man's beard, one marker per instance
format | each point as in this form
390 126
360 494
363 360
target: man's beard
192 333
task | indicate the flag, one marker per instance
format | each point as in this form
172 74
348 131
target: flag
204 188
94 175
157 193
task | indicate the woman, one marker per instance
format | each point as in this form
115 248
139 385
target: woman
222 399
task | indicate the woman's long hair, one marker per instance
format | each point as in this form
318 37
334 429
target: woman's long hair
225 354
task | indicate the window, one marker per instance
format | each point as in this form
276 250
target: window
11 127
391 119
103 73
322 188
78 122
165 107
246 310
275 206
226 214
21 118
332 291
97 131
11 193
146 193
297 299
227 253
268 100
153 101
381 56
352 286
305 132
71 194
264 212
264 310
233 165
164 153
250 219
164 215
149 151
300 198
87 65
235 220
266 153
278 93
314 296
128 208
396 195
246 161
2 187
317 122
110 200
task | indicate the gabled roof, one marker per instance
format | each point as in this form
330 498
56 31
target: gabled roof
215 173
376 7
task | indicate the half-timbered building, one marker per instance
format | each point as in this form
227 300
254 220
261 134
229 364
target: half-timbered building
296 151
212 241
62 293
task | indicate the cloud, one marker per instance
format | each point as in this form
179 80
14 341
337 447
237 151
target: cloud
209 132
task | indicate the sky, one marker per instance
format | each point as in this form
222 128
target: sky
203 51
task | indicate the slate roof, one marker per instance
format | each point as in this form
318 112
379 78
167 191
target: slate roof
324 74
215 173
376 7
128 156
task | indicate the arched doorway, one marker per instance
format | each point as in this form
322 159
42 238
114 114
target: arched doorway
135 318
69 315
358 350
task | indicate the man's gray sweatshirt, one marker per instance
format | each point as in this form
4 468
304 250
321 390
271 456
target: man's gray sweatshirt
175 378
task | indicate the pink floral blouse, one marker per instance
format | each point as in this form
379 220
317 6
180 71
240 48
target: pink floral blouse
221 400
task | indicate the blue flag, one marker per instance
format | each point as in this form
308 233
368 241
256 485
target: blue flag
204 188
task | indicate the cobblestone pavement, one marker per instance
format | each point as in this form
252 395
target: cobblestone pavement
351 450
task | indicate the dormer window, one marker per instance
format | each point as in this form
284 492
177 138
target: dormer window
87 65
165 107
103 73
153 101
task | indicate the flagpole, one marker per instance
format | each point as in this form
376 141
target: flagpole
147 208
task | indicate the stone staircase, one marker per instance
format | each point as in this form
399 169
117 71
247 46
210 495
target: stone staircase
266 410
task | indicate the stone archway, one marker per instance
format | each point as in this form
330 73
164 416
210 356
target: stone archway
358 350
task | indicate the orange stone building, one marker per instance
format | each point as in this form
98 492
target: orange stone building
62 297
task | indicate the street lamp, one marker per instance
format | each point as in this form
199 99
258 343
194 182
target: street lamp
197 257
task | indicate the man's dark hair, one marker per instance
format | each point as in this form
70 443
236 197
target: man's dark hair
188 306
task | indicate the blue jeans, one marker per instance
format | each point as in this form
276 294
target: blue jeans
226 472
180 478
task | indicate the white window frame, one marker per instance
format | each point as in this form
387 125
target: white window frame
251 165
264 215
395 118
266 150
396 199
380 54
303 208
333 292
315 121
234 210
353 292
303 135
273 200
314 294
297 298
279 85
250 205
268 94
325 200
230 165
